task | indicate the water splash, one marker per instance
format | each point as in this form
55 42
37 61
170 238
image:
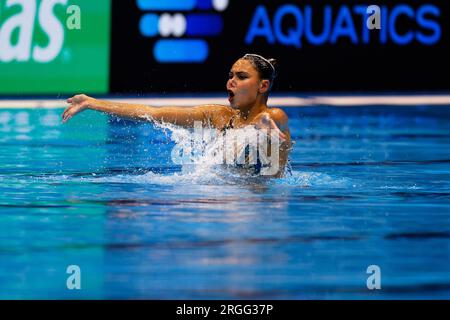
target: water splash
203 164
206 151
215 178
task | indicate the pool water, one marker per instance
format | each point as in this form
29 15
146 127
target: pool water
369 186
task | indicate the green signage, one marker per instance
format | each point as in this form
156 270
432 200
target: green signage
54 46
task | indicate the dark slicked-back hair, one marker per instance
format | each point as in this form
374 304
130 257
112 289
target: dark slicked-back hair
267 68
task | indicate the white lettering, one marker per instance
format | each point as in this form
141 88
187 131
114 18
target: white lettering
24 21
22 24
74 280
193 310
53 27
374 281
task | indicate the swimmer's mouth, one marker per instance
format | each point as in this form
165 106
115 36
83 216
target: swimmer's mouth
230 95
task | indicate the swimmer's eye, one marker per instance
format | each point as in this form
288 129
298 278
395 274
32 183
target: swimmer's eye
240 75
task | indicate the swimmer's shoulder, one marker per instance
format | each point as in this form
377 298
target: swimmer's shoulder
280 117
219 115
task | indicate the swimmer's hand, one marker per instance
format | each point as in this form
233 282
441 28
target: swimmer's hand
264 121
78 103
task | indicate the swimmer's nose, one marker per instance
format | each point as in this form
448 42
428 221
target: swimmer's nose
231 84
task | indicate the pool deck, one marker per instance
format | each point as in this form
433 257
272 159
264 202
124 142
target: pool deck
284 101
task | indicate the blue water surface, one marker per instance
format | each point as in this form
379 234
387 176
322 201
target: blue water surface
369 186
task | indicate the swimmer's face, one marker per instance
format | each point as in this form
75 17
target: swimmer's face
244 84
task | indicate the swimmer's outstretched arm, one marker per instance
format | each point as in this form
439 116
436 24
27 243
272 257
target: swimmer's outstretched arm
181 116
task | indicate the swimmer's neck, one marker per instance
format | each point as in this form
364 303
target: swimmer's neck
248 114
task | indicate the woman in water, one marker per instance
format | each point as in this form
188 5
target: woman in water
250 81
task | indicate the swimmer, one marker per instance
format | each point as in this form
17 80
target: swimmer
249 83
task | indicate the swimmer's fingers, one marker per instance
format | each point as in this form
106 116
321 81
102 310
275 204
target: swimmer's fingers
70 112
66 115
77 104
67 112
267 122
74 99
78 99
277 130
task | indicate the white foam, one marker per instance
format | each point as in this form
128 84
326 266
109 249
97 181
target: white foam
206 168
